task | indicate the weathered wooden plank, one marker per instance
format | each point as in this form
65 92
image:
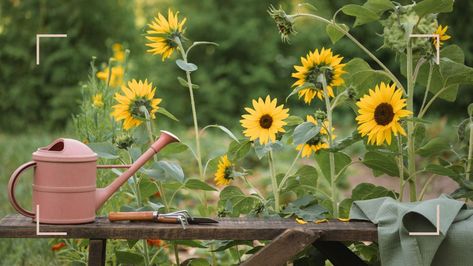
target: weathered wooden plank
97 252
17 226
283 248
338 254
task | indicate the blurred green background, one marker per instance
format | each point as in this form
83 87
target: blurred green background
251 60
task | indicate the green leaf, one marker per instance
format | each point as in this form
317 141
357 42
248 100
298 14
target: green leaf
166 113
365 80
165 171
230 192
189 67
294 120
323 160
305 208
195 262
470 110
147 188
365 191
380 162
127 257
104 150
304 132
442 171
379 6
419 135
244 205
346 142
433 6
224 129
307 171
262 150
299 88
173 148
184 83
190 243
433 147
226 244
238 149
193 183
363 15
334 33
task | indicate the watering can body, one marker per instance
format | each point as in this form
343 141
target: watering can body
64 181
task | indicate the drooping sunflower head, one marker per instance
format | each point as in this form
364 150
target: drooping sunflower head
379 114
131 105
284 22
319 142
224 176
97 100
443 36
164 32
313 66
265 120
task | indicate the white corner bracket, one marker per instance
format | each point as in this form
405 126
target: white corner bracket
437 43
45 233
38 36
436 233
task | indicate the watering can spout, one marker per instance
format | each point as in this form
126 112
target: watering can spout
103 194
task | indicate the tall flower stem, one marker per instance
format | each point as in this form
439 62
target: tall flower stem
274 182
355 41
401 168
411 167
329 109
470 151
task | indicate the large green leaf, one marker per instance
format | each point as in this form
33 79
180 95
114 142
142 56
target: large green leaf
173 148
238 149
363 15
434 147
379 6
189 67
305 208
304 132
193 183
380 162
334 33
147 188
366 191
346 142
104 150
323 160
433 6
165 171
127 257
224 129
230 192
167 114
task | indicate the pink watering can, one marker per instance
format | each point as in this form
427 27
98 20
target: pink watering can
64 183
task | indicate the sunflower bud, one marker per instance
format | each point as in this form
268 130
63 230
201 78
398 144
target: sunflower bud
124 141
400 24
284 22
351 92
320 115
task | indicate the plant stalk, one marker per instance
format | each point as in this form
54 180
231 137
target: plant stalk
329 109
401 168
274 182
470 151
427 88
411 159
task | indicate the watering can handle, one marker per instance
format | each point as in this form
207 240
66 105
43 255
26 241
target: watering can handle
11 188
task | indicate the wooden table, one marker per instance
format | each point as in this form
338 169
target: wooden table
288 237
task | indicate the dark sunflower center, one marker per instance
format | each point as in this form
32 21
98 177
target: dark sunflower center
383 114
228 173
315 140
135 107
266 121
313 74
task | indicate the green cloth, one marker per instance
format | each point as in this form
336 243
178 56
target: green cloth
453 247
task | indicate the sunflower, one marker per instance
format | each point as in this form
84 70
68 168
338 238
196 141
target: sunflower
316 143
136 95
379 113
97 100
312 67
118 52
441 31
167 30
265 120
116 77
223 176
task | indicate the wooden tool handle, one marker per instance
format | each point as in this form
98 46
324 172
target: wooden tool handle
131 216
171 220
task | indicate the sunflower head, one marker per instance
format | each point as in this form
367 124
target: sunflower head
118 52
224 176
318 142
379 113
165 33
443 36
314 65
264 120
97 100
284 22
124 141
130 106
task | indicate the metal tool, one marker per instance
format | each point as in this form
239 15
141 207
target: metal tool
178 217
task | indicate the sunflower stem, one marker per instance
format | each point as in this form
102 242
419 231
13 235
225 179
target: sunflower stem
329 109
149 127
355 41
286 176
427 88
470 151
274 182
400 164
411 159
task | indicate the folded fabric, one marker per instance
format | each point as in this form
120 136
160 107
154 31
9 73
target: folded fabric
453 246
